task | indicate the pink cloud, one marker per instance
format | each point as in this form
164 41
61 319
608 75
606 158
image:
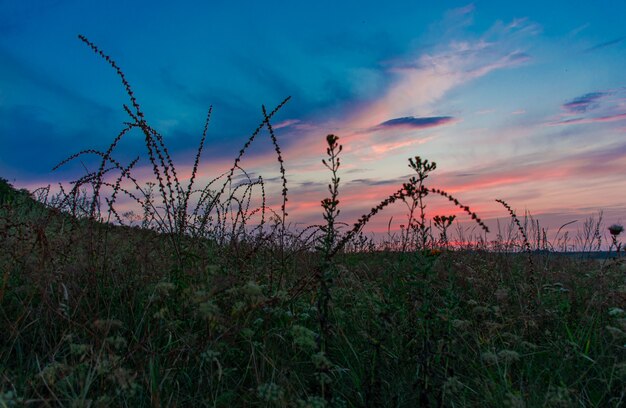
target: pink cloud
600 119
286 123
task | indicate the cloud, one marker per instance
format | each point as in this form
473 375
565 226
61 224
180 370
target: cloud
378 182
599 119
584 102
286 123
605 44
605 161
419 83
462 11
412 122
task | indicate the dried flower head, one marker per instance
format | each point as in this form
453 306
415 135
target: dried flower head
616 229
331 139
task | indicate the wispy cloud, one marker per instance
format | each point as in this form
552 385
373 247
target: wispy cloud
414 123
286 123
605 44
417 83
598 119
603 106
583 103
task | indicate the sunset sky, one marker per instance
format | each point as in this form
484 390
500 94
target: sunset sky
521 101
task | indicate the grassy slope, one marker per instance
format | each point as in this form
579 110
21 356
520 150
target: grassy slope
99 316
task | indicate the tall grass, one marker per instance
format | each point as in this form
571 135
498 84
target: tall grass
209 298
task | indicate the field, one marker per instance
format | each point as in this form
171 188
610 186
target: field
196 305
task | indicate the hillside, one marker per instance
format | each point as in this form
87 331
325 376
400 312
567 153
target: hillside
99 316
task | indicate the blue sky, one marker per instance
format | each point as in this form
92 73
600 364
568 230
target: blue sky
524 101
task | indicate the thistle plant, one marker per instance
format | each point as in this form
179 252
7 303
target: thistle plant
330 205
416 203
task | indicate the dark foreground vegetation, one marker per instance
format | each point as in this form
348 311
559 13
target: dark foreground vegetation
202 306
108 316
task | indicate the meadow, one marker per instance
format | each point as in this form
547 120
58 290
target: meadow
207 297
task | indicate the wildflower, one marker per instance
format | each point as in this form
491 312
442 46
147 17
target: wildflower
508 356
528 345
106 365
321 362
212 269
338 402
323 378
53 372
163 288
481 310
460 324
513 401
200 296
510 337
79 350
489 358
117 342
209 355
501 294
452 386
208 310
559 397
123 377
270 392
253 292
252 289
161 313
10 399
247 333
303 337
312 402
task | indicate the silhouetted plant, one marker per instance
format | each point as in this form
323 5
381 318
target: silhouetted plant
326 270
412 189
417 226
442 223
172 216
615 230
525 243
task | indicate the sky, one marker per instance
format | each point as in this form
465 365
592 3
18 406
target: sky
521 101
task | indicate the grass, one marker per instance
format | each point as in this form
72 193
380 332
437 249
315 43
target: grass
211 300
